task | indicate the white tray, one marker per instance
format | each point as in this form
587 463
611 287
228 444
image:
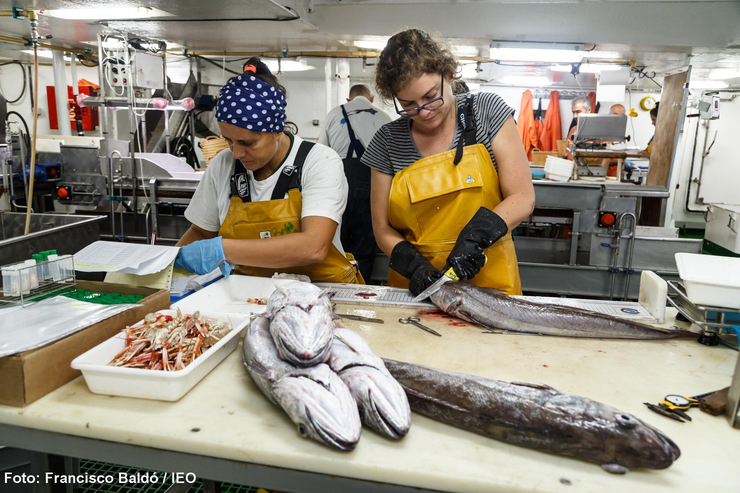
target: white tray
710 280
153 384
231 295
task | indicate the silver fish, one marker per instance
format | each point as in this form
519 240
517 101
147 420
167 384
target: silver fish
302 294
537 417
315 398
301 322
303 337
380 399
500 312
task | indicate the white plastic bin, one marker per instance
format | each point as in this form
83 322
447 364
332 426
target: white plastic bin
723 223
153 384
710 280
559 169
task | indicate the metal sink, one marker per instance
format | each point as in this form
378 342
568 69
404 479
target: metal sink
65 233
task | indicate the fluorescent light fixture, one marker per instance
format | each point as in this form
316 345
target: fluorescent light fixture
107 13
465 50
724 73
288 65
707 84
587 68
524 80
44 54
537 55
600 55
374 43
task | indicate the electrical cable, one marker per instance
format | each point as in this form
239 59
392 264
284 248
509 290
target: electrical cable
23 120
25 82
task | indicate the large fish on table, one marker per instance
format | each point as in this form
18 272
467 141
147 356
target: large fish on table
301 323
493 310
537 417
380 399
315 398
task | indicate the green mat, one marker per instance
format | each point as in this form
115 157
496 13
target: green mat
102 468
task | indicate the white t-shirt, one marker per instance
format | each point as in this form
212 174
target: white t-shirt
365 119
323 188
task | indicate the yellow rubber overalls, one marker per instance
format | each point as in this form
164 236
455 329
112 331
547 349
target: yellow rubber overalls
280 216
434 198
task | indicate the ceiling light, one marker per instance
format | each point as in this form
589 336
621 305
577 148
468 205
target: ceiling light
288 65
372 44
707 84
43 54
587 68
537 55
724 73
599 55
465 50
107 13
523 80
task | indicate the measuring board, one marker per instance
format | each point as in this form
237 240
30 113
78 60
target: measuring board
385 296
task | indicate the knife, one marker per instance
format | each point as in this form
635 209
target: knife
447 277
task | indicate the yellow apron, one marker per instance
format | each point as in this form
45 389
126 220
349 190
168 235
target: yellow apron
280 216
433 199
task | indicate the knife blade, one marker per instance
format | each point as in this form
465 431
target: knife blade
447 277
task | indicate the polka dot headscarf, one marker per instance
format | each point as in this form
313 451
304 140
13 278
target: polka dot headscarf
248 102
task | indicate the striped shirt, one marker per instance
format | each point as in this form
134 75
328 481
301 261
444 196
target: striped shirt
393 149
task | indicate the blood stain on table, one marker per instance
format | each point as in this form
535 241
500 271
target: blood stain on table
365 295
455 322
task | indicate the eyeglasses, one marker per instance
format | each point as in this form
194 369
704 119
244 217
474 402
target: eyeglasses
429 105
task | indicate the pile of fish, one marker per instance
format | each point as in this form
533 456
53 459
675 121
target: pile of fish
326 379
499 312
536 416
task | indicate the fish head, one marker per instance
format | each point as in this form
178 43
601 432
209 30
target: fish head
303 337
381 400
302 294
320 405
641 445
448 296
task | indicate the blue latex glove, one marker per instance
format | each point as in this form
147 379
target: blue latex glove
201 257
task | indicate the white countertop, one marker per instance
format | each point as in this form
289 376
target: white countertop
237 422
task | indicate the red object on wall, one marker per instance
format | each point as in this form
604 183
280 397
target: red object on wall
89 116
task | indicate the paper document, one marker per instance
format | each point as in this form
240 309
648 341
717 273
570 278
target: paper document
127 258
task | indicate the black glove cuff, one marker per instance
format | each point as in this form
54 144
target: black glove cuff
406 260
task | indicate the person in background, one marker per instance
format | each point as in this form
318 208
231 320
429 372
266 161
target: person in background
459 87
348 129
653 118
450 178
616 109
578 106
271 201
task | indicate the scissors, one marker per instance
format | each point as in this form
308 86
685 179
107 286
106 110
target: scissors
415 321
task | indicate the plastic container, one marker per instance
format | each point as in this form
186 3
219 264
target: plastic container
723 223
32 273
11 281
55 267
559 169
153 384
710 280
67 267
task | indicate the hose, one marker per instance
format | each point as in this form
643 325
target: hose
25 83
23 121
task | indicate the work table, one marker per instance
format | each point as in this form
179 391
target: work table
234 421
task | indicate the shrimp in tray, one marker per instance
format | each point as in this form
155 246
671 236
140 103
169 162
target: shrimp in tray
169 343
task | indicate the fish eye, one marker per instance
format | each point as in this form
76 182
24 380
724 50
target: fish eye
303 431
362 412
626 421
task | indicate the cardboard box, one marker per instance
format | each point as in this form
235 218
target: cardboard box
539 157
32 374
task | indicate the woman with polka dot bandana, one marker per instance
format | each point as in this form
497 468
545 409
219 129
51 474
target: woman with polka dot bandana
271 202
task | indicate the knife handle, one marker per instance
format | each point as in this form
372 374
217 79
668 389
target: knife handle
451 274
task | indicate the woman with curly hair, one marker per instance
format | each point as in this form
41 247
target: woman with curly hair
450 179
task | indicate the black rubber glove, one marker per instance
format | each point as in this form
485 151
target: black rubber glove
483 230
407 261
